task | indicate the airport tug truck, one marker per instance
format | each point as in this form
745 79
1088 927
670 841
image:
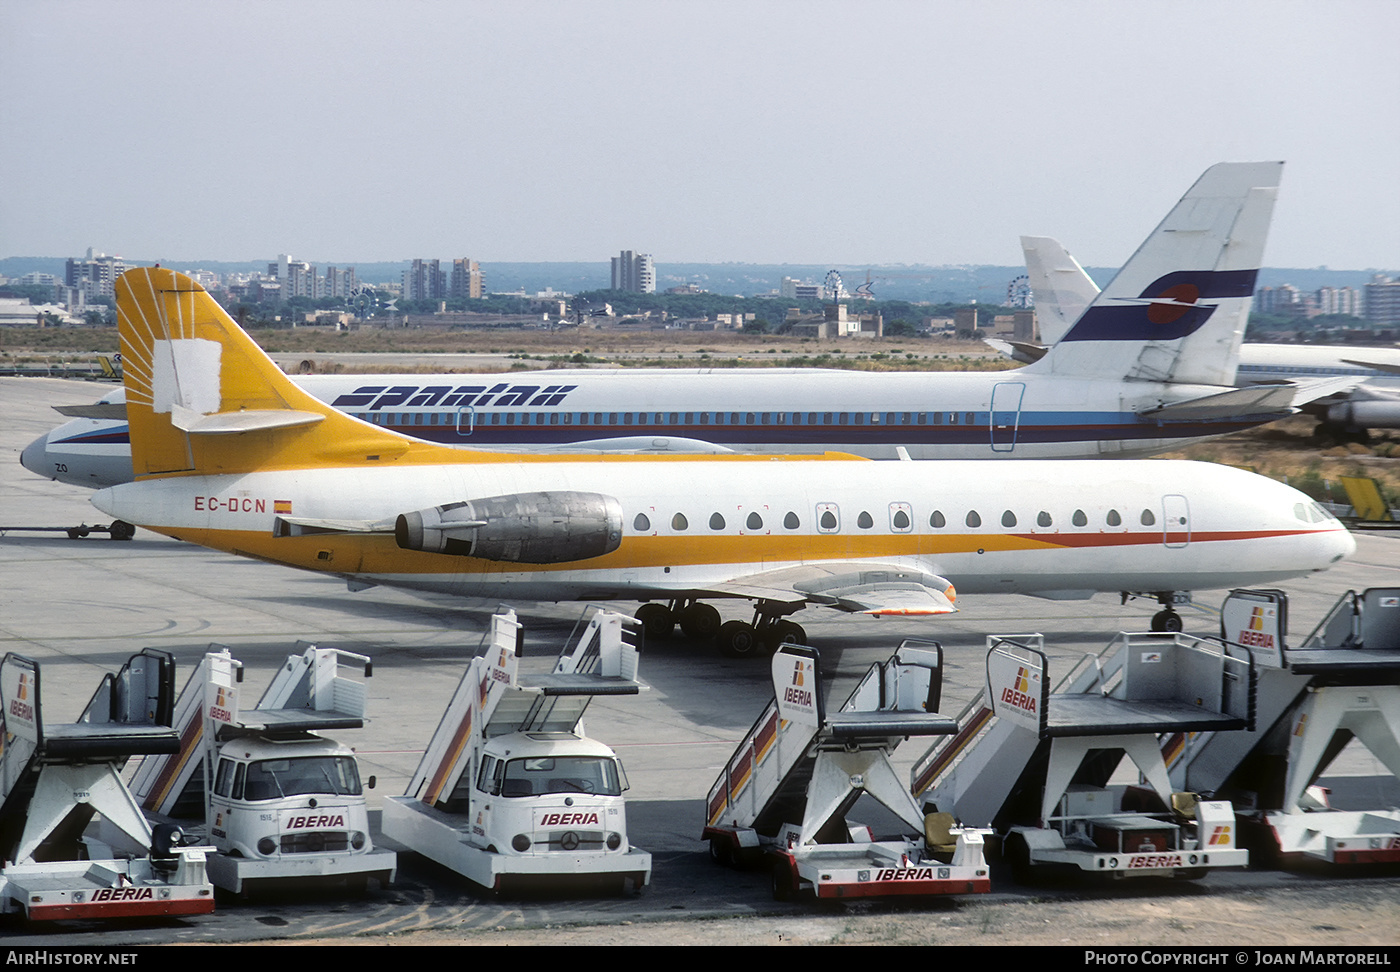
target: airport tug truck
278 800
73 841
510 790
1341 683
784 794
1038 766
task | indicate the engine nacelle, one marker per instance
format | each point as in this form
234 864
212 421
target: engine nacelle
1366 414
523 528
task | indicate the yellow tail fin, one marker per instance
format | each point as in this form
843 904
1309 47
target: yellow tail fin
203 398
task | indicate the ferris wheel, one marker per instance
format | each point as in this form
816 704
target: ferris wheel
833 285
1018 292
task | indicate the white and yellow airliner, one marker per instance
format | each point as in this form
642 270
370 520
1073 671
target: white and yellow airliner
231 454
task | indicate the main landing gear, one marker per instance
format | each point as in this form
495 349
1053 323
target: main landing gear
1165 620
737 639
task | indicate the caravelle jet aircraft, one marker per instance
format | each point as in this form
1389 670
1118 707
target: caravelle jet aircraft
1164 378
232 455
1368 379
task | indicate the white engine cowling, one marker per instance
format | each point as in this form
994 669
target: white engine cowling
523 528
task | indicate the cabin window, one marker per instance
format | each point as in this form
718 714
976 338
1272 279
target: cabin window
827 521
900 520
754 522
1008 519
1114 519
860 418
1079 519
748 419
716 521
791 522
865 521
937 520
678 522
1044 519
1147 518
554 418
641 524
973 519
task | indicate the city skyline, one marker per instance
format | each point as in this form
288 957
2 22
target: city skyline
821 132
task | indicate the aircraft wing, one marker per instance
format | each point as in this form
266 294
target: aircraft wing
860 588
1311 391
1389 368
625 445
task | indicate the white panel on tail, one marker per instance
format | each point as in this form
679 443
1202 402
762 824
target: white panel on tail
187 375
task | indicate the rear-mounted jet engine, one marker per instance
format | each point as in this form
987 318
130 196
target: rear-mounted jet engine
524 528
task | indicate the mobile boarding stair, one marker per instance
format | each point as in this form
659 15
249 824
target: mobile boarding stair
785 792
1342 682
1036 765
276 800
61 783
510 790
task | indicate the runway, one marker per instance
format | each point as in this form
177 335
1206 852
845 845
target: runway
81 607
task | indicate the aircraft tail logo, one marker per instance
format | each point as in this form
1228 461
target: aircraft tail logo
1176 311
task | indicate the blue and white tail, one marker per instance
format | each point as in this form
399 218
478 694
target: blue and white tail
1177 310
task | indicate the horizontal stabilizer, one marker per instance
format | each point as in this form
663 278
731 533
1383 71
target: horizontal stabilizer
1253 400
248 420
1022 351
97 410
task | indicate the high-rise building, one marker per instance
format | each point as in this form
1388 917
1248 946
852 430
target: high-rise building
1383 300
424 280
467 279
95 275
634 272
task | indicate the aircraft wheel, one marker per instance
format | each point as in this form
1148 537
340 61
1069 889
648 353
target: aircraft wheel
1168 621
121 530
738 639
788 632
700 622
656 621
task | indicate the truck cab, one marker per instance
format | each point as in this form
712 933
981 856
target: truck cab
282 798
541 792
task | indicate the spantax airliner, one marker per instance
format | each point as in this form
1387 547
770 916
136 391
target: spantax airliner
1160 376
230 454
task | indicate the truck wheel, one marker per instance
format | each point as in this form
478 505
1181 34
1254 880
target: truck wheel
1017 855
721 852
782 881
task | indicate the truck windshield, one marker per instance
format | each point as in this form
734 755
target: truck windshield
272 779
561 774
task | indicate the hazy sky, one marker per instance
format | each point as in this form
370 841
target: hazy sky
803 132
